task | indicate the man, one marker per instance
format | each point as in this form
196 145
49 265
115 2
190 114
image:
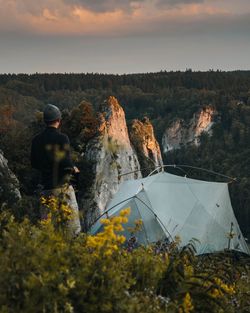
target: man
50 154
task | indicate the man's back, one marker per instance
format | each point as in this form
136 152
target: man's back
50 154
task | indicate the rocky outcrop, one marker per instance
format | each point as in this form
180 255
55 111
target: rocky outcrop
182 133
147 148
9 185
203 122
111 155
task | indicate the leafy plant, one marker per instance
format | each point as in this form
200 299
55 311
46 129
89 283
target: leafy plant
44 270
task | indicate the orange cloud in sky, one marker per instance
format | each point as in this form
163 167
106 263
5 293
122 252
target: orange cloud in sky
64 19
79 21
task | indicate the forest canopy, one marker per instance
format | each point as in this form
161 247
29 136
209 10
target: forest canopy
162 97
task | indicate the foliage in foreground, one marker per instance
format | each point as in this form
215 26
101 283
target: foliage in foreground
42 269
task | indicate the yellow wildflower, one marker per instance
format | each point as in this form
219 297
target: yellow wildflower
121 239
118 227
187 305
125 212
188 270
108 252
216 293
105 221
108 241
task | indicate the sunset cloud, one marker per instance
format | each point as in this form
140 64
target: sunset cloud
101 17
173 3
106 5
123 35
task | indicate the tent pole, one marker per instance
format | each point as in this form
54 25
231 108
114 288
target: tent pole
107 211
155 215
179 166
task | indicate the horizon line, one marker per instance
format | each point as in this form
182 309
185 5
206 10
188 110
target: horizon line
128 73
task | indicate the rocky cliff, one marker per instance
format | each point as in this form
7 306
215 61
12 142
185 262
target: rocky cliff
9 192
182 133
147 148
111 155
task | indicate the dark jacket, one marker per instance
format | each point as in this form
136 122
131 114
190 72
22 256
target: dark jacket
50 154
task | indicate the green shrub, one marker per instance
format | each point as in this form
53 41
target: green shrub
44 270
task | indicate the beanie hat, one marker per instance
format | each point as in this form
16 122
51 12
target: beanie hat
51 113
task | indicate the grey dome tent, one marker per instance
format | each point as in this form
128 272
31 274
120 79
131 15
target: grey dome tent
171 206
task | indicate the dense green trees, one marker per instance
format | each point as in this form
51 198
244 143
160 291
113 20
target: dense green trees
161 96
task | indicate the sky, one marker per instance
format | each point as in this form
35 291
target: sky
123 36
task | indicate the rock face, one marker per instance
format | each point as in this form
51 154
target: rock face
9 192
146 145
181 133
111 155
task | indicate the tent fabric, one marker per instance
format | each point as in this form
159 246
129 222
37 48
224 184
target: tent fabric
171 206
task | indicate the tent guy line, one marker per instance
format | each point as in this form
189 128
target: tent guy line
179 166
